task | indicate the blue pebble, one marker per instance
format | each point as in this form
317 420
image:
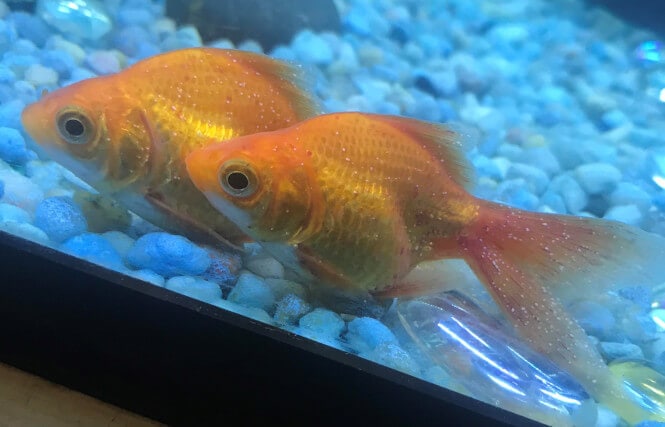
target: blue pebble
26 92
168 255
542 158
554 202
290 308
535 178
598 178
284 53
387 107
130 39
366 333
30 27
185 37
425 107
650 423
12 147
134 16
12 213
93 248
618 350
363 19
571 192
2 189
515 193
219 270
147 276
312 48
77 75
640 295
60 218
613 119
8 35
62 62
630 194
18 62
628 214
323 323
6 75
202 290
252 291
594 318
486 167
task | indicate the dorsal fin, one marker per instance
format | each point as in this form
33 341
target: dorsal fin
444 142
291 79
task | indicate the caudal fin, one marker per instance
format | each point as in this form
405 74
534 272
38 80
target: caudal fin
525 258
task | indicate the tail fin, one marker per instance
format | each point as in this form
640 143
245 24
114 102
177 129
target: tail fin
524 258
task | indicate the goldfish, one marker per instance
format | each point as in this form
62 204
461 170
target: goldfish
368 203
127 134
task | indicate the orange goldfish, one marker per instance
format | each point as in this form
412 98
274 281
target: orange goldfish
128 134
360 202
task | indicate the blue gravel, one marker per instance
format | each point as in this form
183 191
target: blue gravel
12 146
168 255
557 132
60 218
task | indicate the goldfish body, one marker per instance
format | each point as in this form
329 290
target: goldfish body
128 134
361 202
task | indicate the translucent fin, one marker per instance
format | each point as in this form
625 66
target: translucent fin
521 256
443 142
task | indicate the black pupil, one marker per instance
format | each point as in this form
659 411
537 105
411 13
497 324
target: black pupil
237 180
74 127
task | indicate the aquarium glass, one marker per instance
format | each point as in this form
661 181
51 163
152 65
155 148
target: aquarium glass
556 105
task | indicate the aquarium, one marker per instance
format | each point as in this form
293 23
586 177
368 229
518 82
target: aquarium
463 197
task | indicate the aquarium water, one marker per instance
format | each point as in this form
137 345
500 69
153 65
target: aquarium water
567 102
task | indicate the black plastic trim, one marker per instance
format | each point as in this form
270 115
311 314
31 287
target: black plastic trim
186 363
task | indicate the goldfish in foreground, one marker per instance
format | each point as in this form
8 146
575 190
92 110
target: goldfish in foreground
361 202
127 134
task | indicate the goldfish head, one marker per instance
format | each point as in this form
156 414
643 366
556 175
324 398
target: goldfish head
258 183
84 128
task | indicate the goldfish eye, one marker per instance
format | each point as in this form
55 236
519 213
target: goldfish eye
74 126
238 178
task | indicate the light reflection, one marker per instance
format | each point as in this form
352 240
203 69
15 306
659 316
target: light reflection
501 383
661 95
475 351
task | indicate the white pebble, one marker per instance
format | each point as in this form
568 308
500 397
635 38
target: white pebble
147 276
121 242
20 191
266 267
25 230
38 75
251 312
199 289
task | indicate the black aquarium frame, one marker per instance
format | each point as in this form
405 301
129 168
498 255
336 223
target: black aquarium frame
185 363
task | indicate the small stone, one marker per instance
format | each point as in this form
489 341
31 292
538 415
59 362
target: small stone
537 180
13 213
598 178
38 75
594 318
312 48
25 230
168 255
290 309
102 212
12 147
147 276
224 268
60 61
93 248
76 18
121 242
104 62
30 27
322 323
252 291
283 287
20 191
199 289
628 214
571 192
265 267
57 42
10 114
627 193
60 218
393 356
366 333
251 312
618 350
